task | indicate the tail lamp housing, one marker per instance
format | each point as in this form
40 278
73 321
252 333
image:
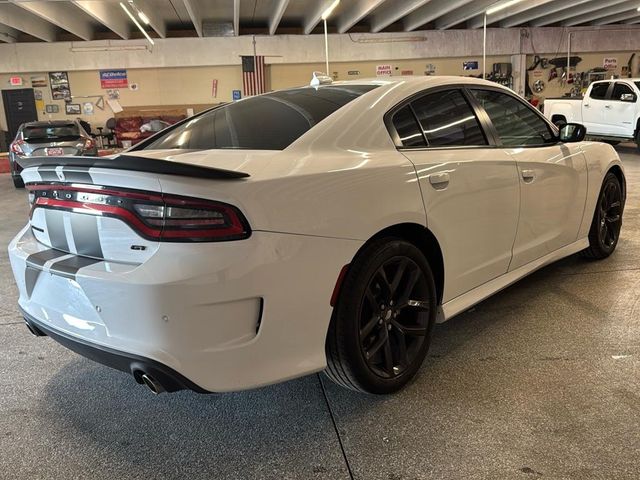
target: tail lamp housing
154 216
16 147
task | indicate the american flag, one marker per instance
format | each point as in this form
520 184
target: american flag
253 82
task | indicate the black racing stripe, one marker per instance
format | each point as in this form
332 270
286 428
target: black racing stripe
84 229
72 175
69 267
48 174
40 258
55 229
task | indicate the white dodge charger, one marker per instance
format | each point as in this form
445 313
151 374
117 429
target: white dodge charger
316 228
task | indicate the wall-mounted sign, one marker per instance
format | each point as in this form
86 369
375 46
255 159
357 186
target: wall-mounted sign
470 65
38 81
60 88
430 69
383 70
72 109
214 88
15 81
87 108
406 72
37 94
610 63
353 72
236 94
113 79
52 108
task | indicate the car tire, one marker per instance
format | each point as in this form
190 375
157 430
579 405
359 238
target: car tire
638 139
383 320
18 182
607 220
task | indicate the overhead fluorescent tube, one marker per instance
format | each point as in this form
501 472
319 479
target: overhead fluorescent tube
133 19
328 11
501 6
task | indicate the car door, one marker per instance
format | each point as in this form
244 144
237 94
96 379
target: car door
469 187
552 175
593 108
620 110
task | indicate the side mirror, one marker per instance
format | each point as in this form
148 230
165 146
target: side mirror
572 132
628 97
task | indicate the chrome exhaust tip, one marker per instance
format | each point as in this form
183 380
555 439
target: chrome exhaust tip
152 384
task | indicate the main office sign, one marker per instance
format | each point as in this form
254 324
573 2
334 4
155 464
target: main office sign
113 79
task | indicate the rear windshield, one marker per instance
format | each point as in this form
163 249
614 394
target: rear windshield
266 122
51 132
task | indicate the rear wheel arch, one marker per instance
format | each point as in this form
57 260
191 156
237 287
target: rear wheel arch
617 171
424 240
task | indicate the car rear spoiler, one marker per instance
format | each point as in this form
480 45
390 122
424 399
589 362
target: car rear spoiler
133 163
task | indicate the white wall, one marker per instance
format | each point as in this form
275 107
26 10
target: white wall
291 49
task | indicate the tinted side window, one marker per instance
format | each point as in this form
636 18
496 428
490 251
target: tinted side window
448 120
621 89
408 129
599 90
516 122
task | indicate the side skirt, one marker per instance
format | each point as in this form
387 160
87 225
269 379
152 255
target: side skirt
467 300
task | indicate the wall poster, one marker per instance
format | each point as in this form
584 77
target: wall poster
60 89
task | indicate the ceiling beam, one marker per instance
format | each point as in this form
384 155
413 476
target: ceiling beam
431 11
392 11
108 14
276 16
518 8
356 12
617 18
632 21
313 19
613 8
548 9
27 22
463 13
61 14
571 13
196 16
236 17
155 20
8 34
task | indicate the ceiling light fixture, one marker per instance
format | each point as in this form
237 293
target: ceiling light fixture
330 9
501 6
133 19
143 17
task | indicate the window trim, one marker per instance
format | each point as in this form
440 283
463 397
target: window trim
483 121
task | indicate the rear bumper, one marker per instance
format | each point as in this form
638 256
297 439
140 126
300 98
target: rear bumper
224 316
171 380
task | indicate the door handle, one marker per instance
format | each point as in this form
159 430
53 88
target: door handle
586 105
439 180
607 106
528 176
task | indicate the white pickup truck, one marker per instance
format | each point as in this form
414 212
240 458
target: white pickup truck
610 110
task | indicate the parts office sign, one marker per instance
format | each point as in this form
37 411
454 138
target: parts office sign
113 79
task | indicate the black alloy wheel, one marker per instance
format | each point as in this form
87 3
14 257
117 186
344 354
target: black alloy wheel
607 219
394 322
381 326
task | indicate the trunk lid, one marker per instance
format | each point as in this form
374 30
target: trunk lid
76 197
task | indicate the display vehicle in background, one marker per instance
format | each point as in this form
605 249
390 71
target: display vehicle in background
309 229
48 138
609 110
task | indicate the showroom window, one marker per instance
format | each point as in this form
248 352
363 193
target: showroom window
405 123
621 89
517 124
599 91
265 122
447 120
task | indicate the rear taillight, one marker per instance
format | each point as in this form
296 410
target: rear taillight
154 216
89 144
16 147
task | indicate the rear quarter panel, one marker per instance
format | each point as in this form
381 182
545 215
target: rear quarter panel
570 109
600 157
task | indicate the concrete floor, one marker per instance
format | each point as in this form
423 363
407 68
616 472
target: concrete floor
542 380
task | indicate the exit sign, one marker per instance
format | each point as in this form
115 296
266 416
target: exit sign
15 81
